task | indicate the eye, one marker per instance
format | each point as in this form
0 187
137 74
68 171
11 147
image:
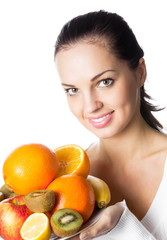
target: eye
105 82
72 91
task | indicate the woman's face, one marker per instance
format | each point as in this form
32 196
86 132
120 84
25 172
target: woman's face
102 91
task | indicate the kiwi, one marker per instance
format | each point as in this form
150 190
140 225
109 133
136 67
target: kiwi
65 222
1 196
6 191
13 195
40 200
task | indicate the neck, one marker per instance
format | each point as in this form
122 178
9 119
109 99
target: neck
130 144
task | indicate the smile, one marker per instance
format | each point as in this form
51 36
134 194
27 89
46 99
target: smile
101 121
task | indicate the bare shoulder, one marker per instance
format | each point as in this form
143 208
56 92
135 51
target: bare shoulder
97 163
157 143
161 141
92 151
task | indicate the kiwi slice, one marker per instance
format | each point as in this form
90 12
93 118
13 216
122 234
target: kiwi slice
40 200
1 196
65 222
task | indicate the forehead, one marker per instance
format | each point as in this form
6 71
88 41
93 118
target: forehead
85 59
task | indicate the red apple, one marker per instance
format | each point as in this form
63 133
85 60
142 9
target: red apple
13 213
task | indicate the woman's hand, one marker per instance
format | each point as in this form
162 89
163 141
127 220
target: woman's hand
107 221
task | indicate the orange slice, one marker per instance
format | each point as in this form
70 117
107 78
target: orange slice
72 160
36 227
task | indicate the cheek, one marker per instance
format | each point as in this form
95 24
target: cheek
123 96
128 96
75 107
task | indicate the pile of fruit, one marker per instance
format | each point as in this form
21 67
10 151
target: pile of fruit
48 191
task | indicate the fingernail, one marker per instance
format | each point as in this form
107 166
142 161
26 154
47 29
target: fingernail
85 236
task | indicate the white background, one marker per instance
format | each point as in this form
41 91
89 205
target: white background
33 106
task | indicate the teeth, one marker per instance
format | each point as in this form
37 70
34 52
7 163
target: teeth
100 119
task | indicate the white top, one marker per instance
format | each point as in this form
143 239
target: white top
154 224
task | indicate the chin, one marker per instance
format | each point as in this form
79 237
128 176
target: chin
104 133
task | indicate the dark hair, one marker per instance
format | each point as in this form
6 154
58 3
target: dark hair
121 41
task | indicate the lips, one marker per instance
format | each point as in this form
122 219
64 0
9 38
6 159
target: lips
101 121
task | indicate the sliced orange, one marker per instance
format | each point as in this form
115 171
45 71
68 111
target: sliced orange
72 160
36 227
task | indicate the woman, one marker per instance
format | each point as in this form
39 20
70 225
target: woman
102 70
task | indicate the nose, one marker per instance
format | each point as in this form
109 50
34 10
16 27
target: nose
92 103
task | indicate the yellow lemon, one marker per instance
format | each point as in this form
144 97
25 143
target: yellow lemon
36 227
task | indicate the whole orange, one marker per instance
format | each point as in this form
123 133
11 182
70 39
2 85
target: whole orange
74 192
30 167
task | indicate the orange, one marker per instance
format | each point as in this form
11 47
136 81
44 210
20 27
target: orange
74 192
72 160
30 167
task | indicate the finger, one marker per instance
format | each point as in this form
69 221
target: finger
91 235
101 227
106 222
95 231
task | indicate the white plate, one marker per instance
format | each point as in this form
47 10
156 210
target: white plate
93 219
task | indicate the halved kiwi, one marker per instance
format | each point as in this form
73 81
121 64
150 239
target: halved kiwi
40 200
6 191
1 196
65 222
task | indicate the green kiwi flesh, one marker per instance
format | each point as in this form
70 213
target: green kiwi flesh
40 200
65 222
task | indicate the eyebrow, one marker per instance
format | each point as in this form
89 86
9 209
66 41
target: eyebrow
98 75
92 79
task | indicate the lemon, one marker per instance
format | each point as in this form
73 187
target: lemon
36 227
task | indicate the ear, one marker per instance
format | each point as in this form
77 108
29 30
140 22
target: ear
142 72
